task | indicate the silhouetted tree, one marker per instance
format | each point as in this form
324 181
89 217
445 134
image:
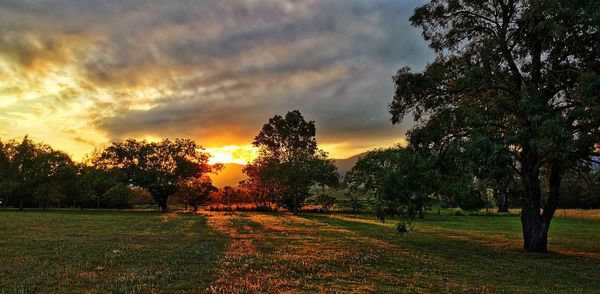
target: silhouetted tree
196 191
260 189
289 162
355 202
35 172
95 182
161 168
118 196
521 75
228 196
580 188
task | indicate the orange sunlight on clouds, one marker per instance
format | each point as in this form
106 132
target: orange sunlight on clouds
232 154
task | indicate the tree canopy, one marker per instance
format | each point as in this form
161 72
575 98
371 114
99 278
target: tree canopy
161 167
34 172
516 77
401 180
289 162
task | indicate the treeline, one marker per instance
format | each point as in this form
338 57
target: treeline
406 181
401 181
167 172
120 176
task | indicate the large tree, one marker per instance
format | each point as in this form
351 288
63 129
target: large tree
520 75
289 162
159 167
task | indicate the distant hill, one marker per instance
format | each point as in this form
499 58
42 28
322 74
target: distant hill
230 175
344 165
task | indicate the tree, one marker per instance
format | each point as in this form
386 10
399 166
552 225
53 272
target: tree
520 75
196 191
161 168
96 182
326 201
141 197
7 178
355 202
259 189
228 196
118 196
580 189
35 172
401 180
289 162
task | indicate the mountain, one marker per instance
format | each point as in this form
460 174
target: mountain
344 165
230 175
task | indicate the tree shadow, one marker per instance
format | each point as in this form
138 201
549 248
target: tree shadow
482 260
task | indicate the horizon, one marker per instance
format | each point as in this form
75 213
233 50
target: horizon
80 75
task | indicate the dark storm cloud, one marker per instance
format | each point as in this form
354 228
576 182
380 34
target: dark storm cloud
200 68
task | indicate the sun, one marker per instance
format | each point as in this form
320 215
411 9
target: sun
232 154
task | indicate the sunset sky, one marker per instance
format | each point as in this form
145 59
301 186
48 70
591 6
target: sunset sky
79 74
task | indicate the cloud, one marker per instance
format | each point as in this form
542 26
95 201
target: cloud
84 72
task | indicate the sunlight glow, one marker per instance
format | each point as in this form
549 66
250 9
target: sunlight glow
232 154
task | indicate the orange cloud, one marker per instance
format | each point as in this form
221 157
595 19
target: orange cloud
78 75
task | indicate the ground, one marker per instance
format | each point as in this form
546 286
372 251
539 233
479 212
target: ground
133 251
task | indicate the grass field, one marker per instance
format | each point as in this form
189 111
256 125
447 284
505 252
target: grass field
134 251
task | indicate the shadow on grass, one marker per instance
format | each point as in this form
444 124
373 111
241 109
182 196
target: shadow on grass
483 261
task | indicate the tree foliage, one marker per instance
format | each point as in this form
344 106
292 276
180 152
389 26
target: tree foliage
326 201
289 162
516 77
96 182
401 180
33 172
196 191
161 167
119 196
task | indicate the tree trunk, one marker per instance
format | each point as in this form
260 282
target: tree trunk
21 202
502 198
421 211
295 206
163 205
536 222
535 230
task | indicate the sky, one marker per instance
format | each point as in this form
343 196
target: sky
80 74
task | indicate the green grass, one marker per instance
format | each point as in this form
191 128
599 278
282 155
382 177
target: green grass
105 251
133 251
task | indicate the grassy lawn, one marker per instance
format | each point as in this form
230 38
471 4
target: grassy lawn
111 251
105 251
